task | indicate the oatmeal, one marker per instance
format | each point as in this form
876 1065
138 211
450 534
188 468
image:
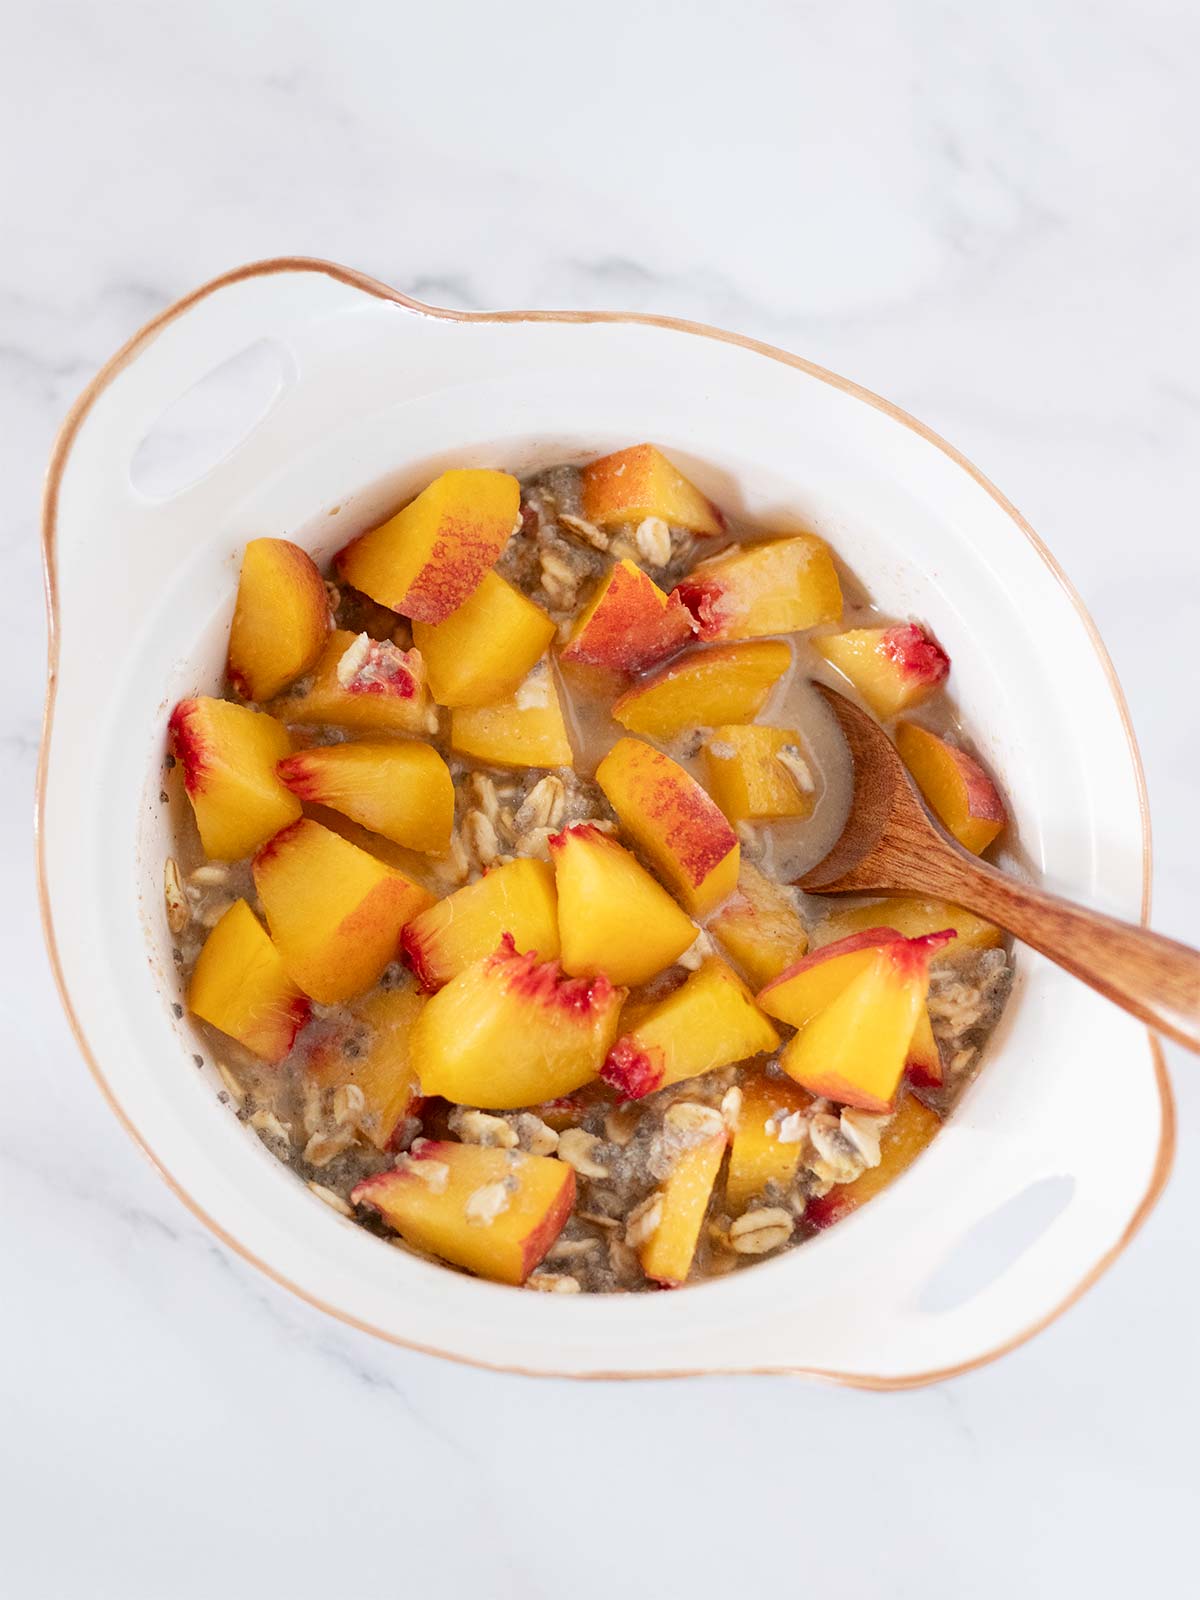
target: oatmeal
485 901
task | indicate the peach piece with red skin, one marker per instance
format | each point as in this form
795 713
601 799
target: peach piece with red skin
709 1021
805 988
517 899
629 626
435 1216
240 985
855 1048
808 985
640 482
909 1132
956 788
400 788
671 819
514 1031
280 618
892 668
483 650
228 754
335 912
913 917
386 694
770 586
430 557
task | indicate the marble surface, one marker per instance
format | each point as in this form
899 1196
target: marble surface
989 215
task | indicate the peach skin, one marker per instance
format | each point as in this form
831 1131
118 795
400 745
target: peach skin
892 668
431 556
511 1031
335 912
709 1021
401 789
517 898
483 650
956 788
628 626
229 754
368 685
673 822
775 586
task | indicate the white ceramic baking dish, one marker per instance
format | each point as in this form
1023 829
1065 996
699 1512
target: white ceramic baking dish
378 392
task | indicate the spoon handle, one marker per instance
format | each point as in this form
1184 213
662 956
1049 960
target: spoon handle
1156 979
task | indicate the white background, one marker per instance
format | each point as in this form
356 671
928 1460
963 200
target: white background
990 215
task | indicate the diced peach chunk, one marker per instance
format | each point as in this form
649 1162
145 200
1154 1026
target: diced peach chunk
768 1140
430 557
710 1021
798 994
805 988
401 789
957 789
241 986
673 822
640 482
776 586
854 1050
629 625
517 898
512 1030
334 911
759 928
373 1052
704 688
910 1130
525 730
613 917
370 685
757 773
493 1212
280 619
229 754
420 867
667 1254
482 651
912 918
892 668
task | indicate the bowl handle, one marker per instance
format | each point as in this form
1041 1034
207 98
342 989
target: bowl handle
284 301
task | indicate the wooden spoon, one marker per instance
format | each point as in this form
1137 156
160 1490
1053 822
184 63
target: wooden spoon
891 845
